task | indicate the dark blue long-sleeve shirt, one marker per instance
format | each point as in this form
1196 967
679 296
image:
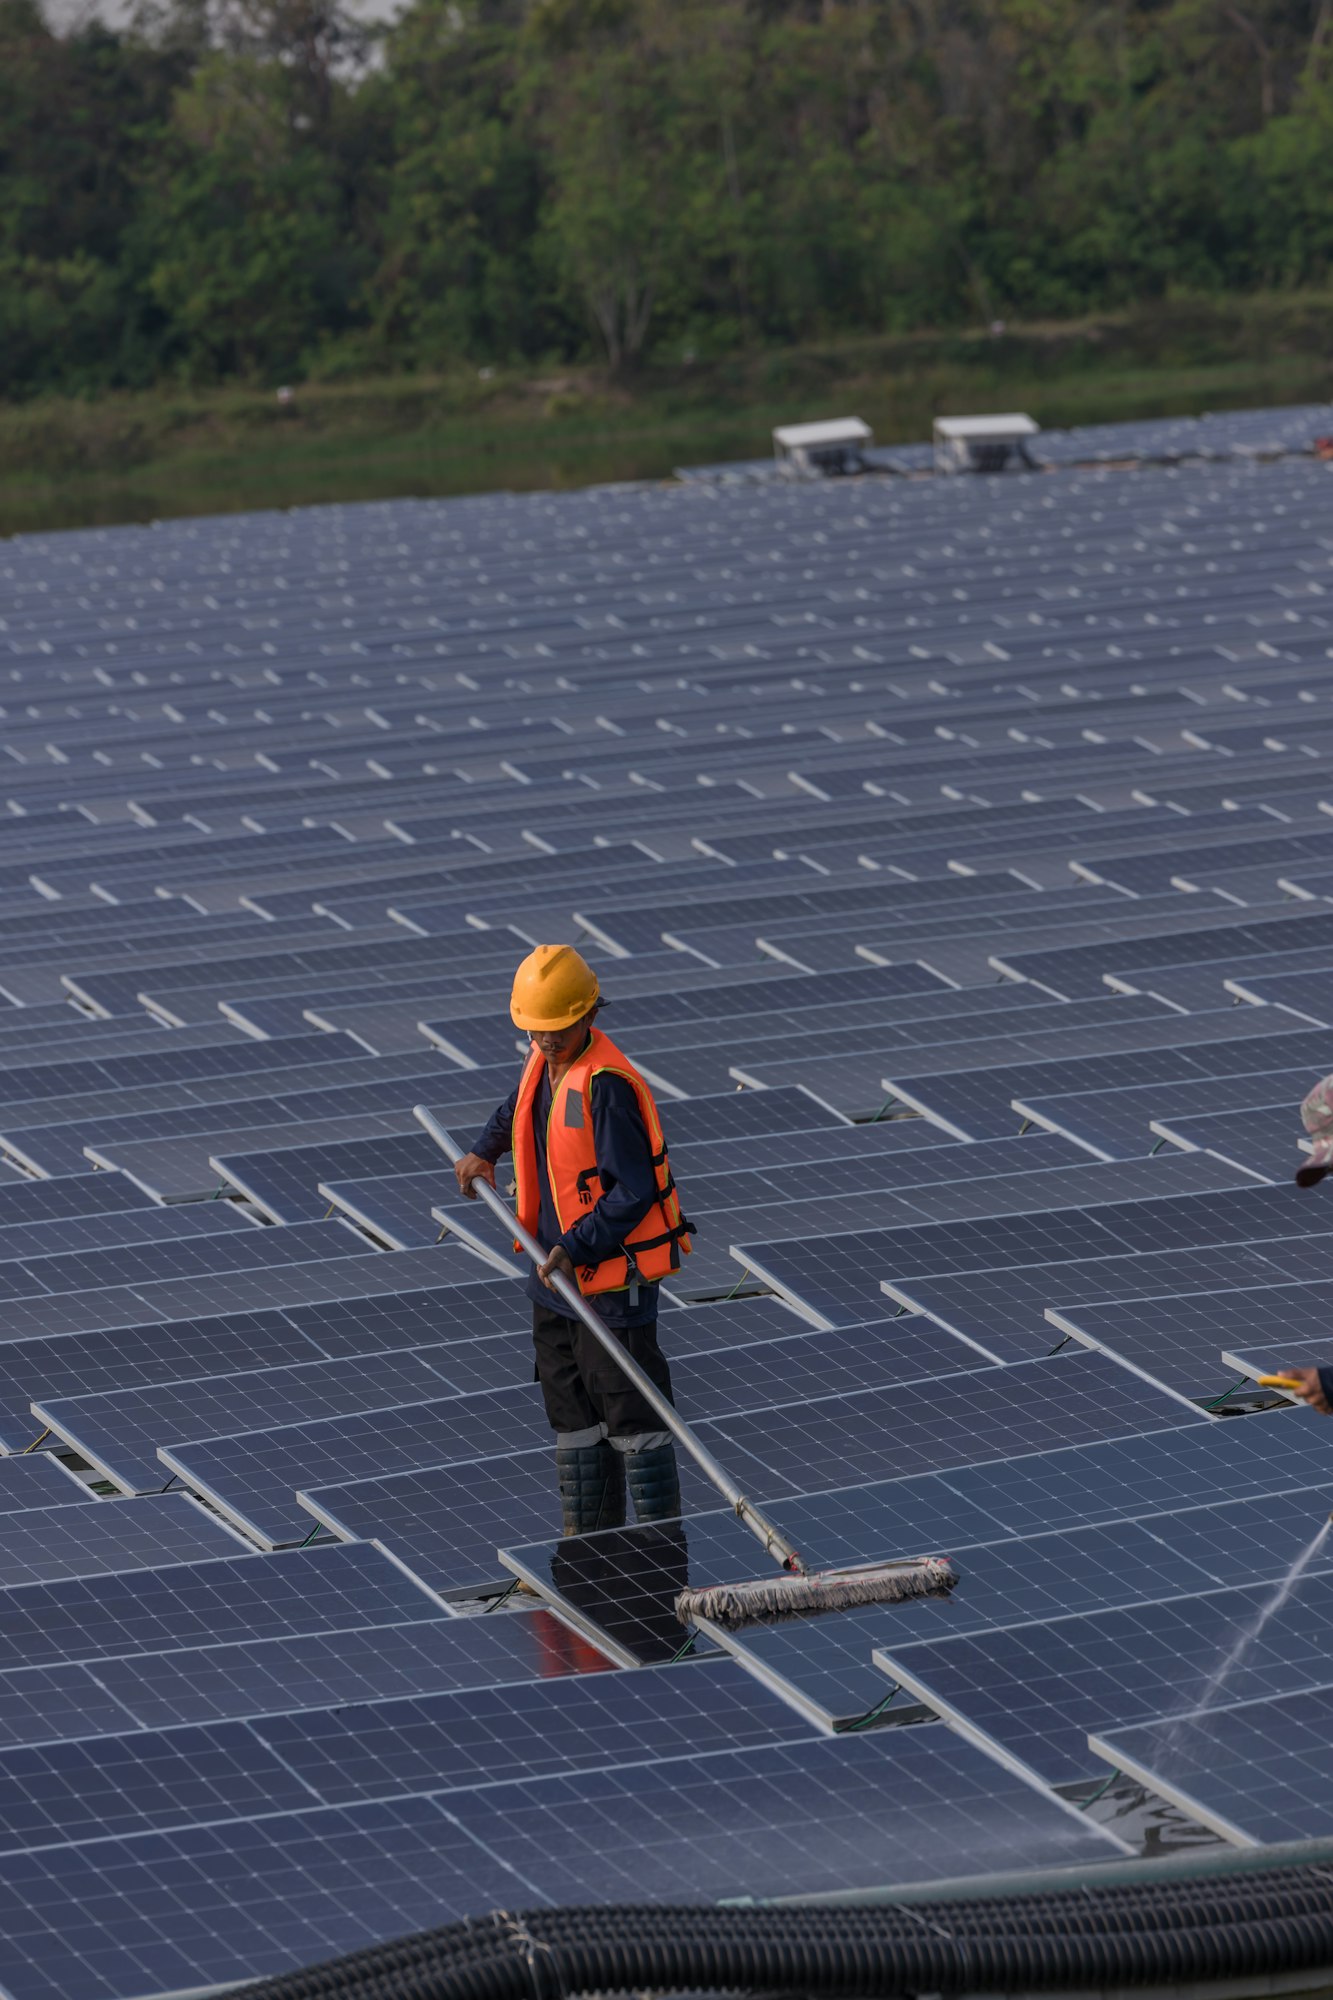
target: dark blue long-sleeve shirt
629 1188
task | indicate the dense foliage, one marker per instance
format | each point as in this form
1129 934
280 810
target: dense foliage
251 189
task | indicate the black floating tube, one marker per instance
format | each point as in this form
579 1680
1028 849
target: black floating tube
1177 1930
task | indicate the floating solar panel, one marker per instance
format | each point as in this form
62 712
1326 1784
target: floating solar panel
445 1524
119 1433
39 1481
364 1877
48 1544
1265 1139
1033 1692
1006 1308
845 1071
569 1725
831 1279
285 1183
1299 994
455 710
898 1806
1189 1344
957 1201
1228 1767
1027 1407
230 1248
252 1476
326 1589
77 1235
373 1872
223 1292
1114 1124
980 1104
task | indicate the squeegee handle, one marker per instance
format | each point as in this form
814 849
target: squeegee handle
775 1542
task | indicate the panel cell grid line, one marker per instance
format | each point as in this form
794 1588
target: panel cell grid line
1035 1691
1227 1766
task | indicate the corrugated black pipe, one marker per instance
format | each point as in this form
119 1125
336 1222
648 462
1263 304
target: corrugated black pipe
1135 1934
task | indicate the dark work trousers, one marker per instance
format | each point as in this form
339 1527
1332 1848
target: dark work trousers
587 1397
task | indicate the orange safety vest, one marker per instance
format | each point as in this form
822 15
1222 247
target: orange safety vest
654 1247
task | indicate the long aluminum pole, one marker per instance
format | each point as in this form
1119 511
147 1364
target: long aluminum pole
745 1510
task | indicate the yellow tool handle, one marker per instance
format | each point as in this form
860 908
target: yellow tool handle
1280 1382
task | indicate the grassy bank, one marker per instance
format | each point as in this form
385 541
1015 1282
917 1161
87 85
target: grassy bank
65 463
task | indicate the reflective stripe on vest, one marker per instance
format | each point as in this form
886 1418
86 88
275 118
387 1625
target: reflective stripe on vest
654 1246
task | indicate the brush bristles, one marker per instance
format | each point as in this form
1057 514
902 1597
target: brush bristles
809 1595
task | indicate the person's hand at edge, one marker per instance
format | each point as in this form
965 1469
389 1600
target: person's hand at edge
1308 1386
559 1261
473 1168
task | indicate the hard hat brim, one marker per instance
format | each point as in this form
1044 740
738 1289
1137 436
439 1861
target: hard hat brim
535 1023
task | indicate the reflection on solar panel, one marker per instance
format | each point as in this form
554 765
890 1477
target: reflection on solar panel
445 1524
277 1676
1231 1769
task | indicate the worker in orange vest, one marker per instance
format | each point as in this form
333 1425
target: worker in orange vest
594 1186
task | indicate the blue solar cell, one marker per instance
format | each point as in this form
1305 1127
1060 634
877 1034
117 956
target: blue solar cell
1230 1768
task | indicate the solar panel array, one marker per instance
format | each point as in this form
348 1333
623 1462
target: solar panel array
954 857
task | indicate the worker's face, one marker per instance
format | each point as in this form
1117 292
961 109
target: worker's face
560 1045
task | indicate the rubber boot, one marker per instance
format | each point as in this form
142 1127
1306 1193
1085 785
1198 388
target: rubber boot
654 1483
592 1487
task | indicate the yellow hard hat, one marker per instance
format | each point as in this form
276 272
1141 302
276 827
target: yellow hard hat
553 988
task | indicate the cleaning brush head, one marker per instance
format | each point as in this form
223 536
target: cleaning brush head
809 1593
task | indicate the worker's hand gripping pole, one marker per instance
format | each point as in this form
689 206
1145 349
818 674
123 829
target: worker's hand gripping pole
773 1540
